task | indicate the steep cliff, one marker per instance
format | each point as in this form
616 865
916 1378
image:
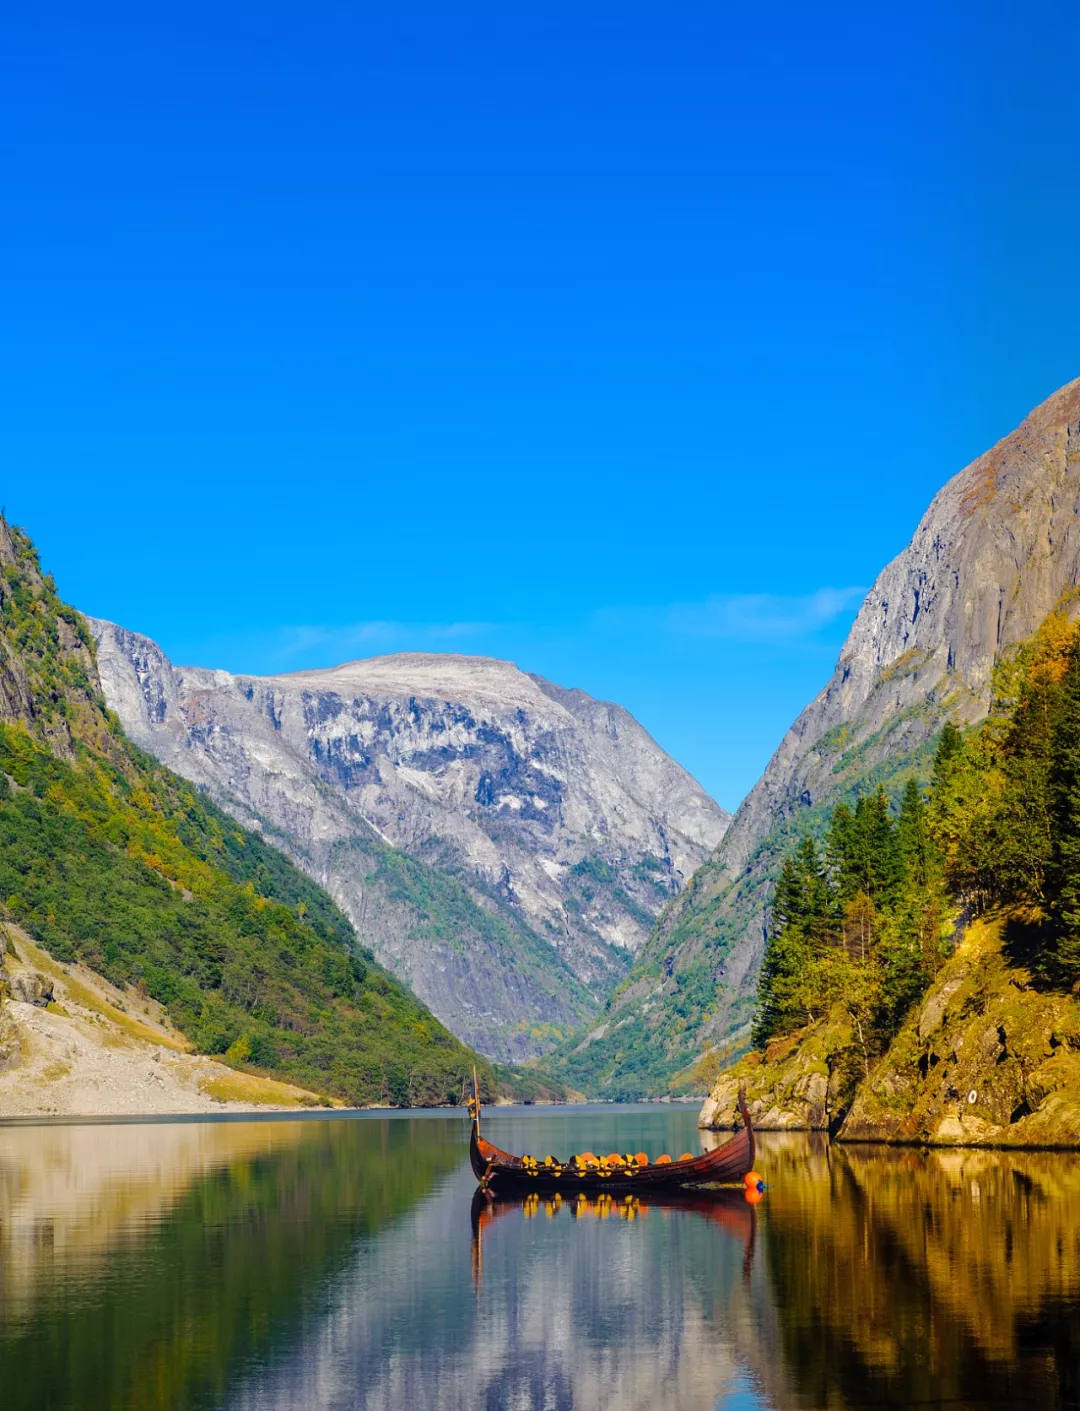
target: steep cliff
502 844
998 549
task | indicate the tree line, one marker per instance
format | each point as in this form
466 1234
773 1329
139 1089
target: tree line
864 918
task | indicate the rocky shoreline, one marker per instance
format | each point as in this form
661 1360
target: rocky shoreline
986 1060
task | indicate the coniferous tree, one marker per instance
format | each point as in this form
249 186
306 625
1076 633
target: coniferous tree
1062 961
799 926
913 837
947 757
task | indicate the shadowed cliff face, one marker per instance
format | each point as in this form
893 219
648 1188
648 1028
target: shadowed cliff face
554 824
998 549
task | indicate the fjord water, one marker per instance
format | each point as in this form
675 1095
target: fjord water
326 1262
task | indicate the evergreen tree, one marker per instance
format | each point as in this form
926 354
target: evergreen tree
789 898
947 757
799 928
914 847
817 909
1062 961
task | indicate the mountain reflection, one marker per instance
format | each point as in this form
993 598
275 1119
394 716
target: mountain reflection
146 1265
914 1278
589 1304
346 1265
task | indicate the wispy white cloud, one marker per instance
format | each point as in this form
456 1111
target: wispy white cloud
737 617
743 617
379 635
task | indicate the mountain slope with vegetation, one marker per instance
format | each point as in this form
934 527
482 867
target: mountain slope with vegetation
110 859
502 844
921 979
997 550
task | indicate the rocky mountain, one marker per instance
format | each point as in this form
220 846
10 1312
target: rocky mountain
998 549
502 844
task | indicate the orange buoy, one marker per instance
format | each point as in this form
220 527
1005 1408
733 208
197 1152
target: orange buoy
664 1160
687 1156
614 1159
753 1195
752 1180
641 1159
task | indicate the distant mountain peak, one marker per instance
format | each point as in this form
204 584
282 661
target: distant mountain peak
555 816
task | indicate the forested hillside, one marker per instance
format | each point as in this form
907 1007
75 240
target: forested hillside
109 858
866 919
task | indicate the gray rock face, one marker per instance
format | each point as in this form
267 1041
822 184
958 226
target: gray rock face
998 549
32 988
557 814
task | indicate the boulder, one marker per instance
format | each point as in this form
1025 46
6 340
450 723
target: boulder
32 988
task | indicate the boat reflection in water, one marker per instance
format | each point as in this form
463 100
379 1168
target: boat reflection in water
730 1210
281 1266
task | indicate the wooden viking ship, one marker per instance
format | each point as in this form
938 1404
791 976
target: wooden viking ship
498 1170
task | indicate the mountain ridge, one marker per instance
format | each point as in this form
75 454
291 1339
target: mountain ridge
556 821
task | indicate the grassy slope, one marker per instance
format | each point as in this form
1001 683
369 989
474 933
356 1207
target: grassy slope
108 857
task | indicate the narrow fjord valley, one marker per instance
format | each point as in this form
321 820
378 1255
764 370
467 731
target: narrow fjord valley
961 1020
552 886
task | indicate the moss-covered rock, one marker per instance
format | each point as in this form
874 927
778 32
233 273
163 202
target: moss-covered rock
804 1082
986 1059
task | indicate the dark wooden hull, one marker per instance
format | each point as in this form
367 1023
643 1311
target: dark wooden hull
501 1171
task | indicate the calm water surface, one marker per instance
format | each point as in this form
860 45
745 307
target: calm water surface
338 1264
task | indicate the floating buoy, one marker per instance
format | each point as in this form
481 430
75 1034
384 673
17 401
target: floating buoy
754 1195
752 1181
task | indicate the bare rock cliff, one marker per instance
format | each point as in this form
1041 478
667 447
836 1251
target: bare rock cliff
557 814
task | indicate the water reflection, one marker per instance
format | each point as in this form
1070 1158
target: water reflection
346 1264
732 1210
146 1266
911 1278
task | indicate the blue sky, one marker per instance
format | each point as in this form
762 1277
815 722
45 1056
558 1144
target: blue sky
628 342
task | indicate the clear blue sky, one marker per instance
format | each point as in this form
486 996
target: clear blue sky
626 341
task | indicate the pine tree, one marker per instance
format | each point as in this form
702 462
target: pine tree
799 927
947 757
789 899
817 908
1062 962
913 837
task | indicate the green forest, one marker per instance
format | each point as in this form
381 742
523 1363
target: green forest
864 918
108 858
